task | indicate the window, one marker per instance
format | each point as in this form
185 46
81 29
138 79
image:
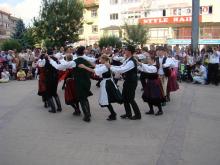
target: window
130 1
113 2
81 30
114 16
94 13
94 29
210 9
164 12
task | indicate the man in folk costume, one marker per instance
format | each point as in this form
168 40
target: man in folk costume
52 84
129 71
82 80
163 63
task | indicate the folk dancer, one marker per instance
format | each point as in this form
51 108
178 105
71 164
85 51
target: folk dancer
129 71
153 91
109 92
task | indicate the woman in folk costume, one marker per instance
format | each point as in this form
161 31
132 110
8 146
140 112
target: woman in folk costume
42 91
153 91
172 84
109 93
70 88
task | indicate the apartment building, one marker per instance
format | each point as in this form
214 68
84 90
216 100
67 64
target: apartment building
7 25
89 33
169 22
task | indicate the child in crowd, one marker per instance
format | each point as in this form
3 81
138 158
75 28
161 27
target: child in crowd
21 75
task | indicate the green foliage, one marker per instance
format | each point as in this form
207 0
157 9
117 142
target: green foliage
59 21
136 34
11 44
110 41
19 30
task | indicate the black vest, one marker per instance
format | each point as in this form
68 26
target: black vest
131 75
107 74
165 70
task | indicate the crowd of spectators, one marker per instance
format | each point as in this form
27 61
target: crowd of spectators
18 66
202 69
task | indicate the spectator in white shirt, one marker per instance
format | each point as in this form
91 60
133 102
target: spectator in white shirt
200 74
5 76
213 66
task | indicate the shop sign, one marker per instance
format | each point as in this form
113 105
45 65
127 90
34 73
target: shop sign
167 20
188 41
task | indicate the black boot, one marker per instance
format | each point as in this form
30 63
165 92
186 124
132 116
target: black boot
57 99
86 112
52 105
160 111
151 112
46 105
137 113
112 116
76 108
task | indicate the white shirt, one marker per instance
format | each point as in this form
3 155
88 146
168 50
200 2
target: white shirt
160 71
203 71
5 75
190 60
147 68
100 69
41 62
169 63
90 59
118 58
125 67
63 64
214 58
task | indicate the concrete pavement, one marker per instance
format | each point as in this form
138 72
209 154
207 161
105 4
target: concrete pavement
187 134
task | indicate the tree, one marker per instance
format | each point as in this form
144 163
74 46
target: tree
19 30
60 21
110 41
11 44
136 34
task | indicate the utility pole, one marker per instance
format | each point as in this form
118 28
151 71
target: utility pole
195 26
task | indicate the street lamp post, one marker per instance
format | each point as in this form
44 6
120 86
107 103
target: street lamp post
195 25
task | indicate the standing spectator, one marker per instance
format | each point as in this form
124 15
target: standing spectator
189 65
213 66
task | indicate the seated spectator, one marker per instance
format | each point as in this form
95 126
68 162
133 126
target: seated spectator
200 74
29 75
5 76
21 75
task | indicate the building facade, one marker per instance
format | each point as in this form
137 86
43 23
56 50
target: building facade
7 25
169 22
89 34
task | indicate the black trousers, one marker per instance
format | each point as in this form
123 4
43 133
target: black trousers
212 73
85 107
189 72
128 94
